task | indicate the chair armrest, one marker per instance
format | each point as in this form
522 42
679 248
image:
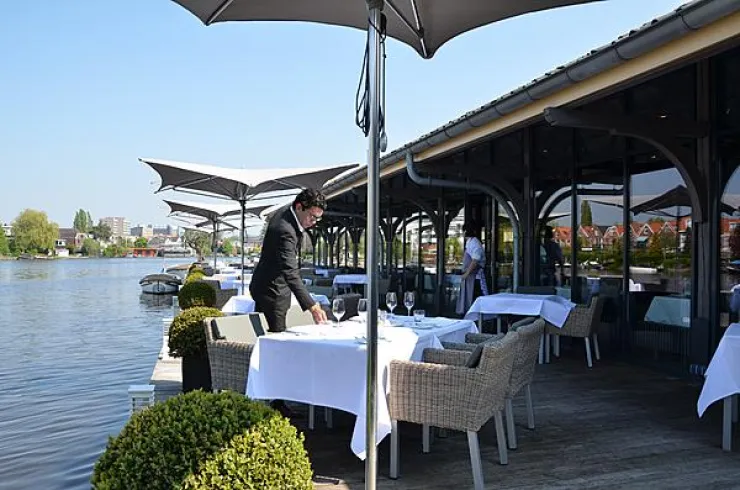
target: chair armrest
458 346
436 394
477 338
450 357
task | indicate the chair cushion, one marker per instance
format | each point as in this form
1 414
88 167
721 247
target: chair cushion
237 328
475 356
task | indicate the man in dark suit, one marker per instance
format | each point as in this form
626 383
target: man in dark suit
277 275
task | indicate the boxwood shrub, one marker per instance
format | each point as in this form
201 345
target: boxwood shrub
186 336
200 441
196 294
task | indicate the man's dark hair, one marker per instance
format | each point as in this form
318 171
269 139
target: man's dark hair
471 228
310 198
548 233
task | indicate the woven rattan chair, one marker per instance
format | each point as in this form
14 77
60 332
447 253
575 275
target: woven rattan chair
443 392
222 295
582 322
531 330
229 360
522 373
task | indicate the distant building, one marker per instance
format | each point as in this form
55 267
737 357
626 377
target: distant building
166 231
60 248
8 229
142 231
119 227
71 237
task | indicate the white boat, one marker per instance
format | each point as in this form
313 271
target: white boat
160 283
643 270
179 270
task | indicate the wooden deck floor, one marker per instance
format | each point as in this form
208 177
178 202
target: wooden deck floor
614 426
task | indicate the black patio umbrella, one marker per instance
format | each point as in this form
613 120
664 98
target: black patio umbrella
425 25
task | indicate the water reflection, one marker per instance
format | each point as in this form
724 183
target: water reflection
81 334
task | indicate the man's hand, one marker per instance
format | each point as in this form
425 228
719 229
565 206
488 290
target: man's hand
319 315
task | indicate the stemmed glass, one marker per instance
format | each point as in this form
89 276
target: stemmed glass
337 307
391 301
408 300
362 309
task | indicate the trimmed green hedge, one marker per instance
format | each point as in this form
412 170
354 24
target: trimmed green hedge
197 275
200 441
187 336
194 294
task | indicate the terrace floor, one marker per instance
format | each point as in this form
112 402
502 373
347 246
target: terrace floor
613 426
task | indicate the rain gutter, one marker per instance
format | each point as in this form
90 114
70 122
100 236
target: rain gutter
454 184
652 35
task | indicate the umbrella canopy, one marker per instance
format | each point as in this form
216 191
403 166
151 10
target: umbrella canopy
213 211
240 184
423 25
678 197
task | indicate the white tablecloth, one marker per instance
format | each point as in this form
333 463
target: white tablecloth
555 309
670 310
244 303
346 279
325 366
723 373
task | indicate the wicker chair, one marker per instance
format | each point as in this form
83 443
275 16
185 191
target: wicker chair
582 322
229 360
531 330
443 392
222 295
525 361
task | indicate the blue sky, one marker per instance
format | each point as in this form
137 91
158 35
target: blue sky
88 86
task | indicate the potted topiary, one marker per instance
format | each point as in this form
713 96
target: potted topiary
196 294
187 339
200 441
194 276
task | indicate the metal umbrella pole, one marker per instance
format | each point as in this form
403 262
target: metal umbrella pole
214 246
371 260
244 212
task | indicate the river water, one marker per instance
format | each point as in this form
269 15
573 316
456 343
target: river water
76 334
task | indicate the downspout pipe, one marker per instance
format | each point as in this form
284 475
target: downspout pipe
454 184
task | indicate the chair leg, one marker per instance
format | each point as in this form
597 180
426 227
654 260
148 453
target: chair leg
394 449
503 455
588 351
311 417
530 406
425 431
510 428
597 352
329 417
475 460
541 353
547 348
556 346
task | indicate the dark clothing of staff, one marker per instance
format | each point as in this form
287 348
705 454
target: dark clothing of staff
277 275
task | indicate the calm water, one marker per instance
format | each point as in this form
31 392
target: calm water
76 334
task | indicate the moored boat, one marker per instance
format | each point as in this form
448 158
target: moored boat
161 283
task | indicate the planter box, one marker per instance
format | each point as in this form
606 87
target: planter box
196 373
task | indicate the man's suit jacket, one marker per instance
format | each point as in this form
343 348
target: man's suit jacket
277 273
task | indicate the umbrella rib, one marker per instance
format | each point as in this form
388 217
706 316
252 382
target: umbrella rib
418 30
217 13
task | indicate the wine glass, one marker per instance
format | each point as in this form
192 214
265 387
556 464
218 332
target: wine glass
362 309
408 300
391 301
337 307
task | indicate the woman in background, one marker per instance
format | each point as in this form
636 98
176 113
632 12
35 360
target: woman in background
473 282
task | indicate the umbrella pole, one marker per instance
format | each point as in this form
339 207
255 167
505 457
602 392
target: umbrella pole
244 212
214 245
371 259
